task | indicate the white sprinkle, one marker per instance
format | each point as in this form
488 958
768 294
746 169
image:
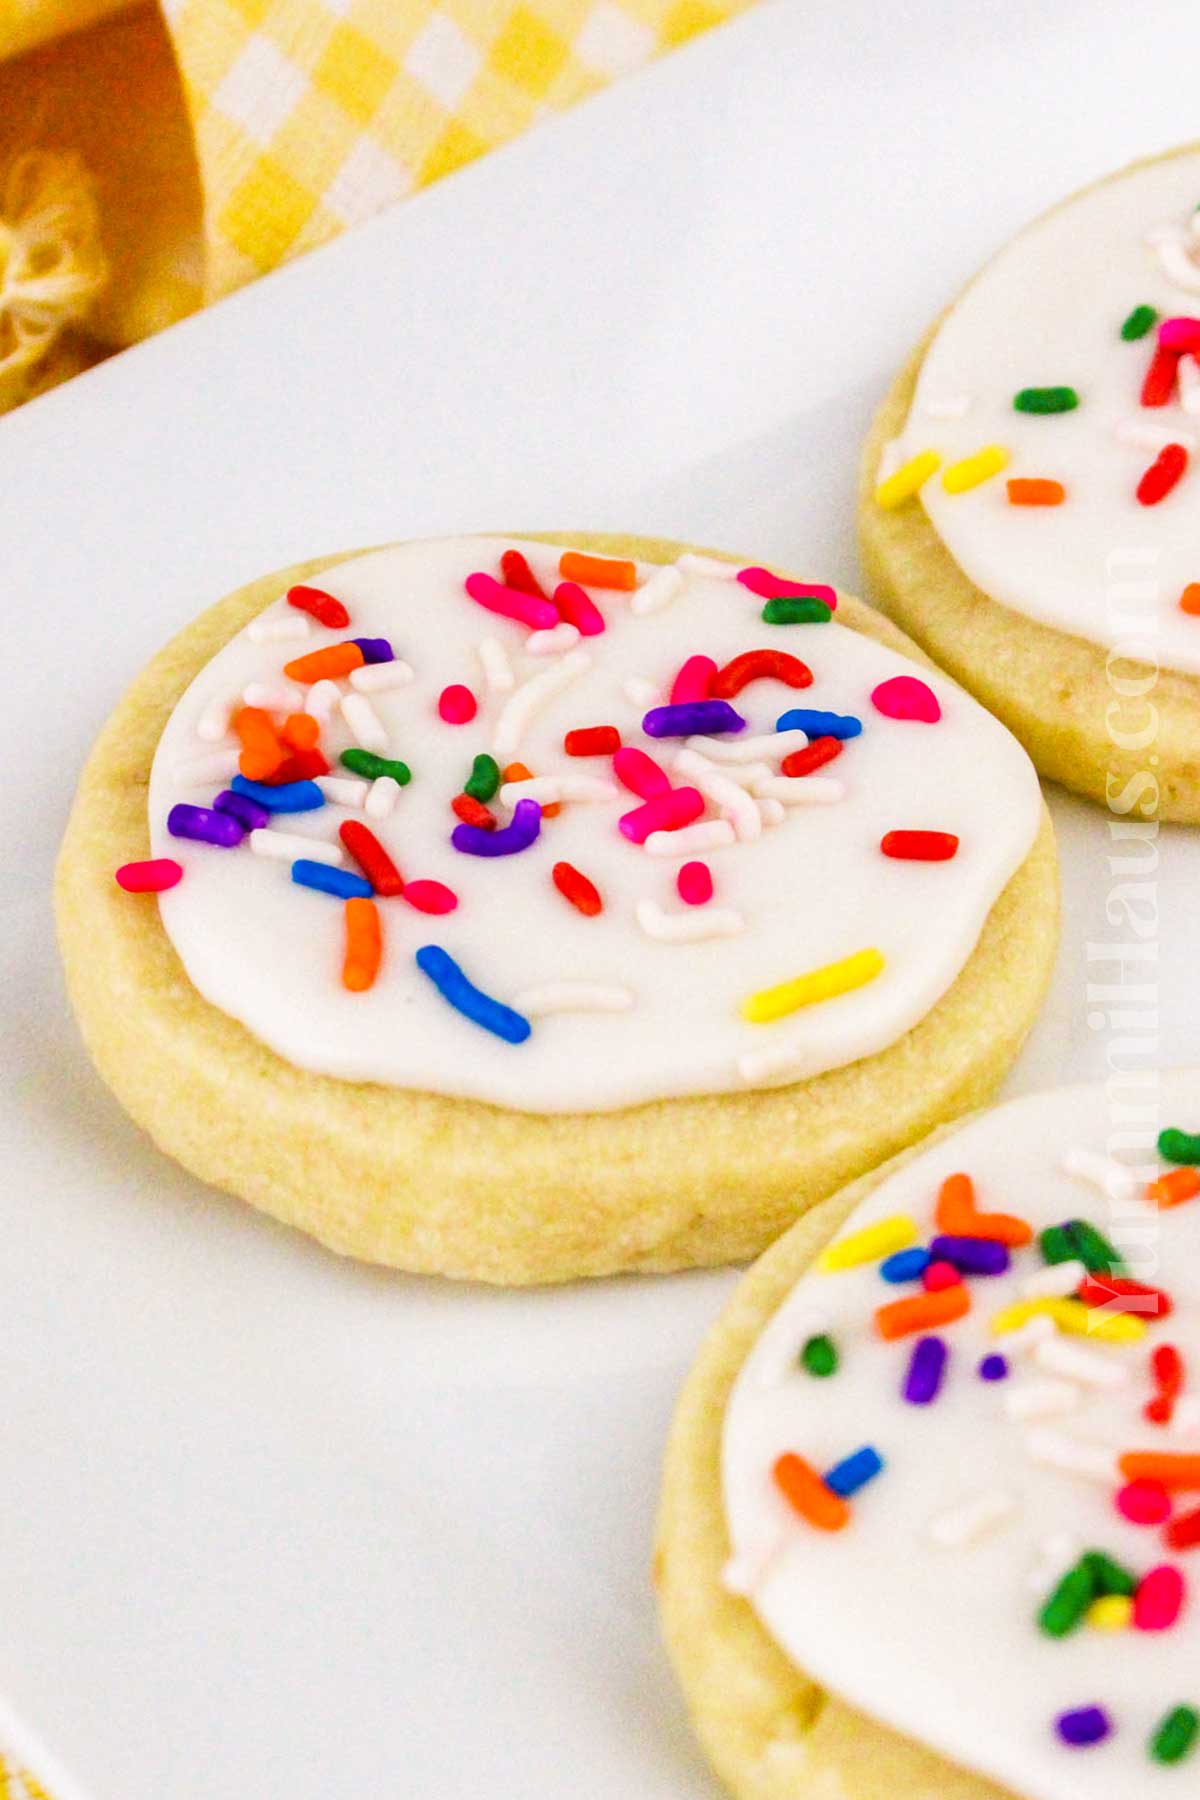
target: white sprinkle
200 771
746 1573
1144 436
740 750
1055 1282
380 678
691 762
1055 1450
279 628
757 1067
690 927
947 406
560 637
705 834
771 811
639 692
382 798
1171 244
497 670
657 592
1185 1420
706 565
1114 1179
343 790
1056 1554
1189 385
323 697
802 790
1040 1399
571 996
1028 1336
519 709
288 846
364 722
966 1524
550 790
213 722
732 802
1078 1362
273 696
891 458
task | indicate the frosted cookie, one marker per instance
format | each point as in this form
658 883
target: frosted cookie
521 912
1030 500
931 1514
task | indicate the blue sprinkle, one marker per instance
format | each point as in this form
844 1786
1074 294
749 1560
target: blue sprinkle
288 797
689 718
467 999
819 724
905 1265
854 1472
993 1368
339 882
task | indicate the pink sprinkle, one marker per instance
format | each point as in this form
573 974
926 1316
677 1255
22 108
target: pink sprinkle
640 773
940 1275
778 587
1159 1599
1144 1503
429 896
694 882
1180 334
457 704
666 812
153 877
579 609
539 615
693 680
906 697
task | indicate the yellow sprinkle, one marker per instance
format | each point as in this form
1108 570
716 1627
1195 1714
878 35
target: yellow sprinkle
1112 1612
973 470
1072 1316
819 984
871 1244
908 478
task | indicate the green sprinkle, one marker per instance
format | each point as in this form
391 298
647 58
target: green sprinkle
365 762
1176 1146
796 610
1046 400
1068 1603
1056 1245
1176 1737
1138 323
1108 1576
819 1356
1093 1249
484 778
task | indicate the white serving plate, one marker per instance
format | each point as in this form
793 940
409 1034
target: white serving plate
283 1528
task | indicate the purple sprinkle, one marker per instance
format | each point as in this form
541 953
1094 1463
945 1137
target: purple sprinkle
926 1370
970 1255
204 826
1083 1726
993 1368
375 650
247 812
526 823
706 717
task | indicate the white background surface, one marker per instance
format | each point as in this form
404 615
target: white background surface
276 1527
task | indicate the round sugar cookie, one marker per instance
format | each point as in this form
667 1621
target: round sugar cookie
1030 490
955 1554
576 905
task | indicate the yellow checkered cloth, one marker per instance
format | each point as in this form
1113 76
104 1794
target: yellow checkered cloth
310 115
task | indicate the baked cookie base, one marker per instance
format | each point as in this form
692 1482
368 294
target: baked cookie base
769 1731
432 1184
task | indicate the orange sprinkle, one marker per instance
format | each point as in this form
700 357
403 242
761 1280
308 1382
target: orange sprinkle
364 945
325 665
807 1494
923 1311
301 731
1029 492
1160 1465
1189 600
597 571
958 1215
262 753
518 771
1174 1188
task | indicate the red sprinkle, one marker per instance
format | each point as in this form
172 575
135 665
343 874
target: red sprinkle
1117 1293
1144 1502
301 765
457 704
1159 1599
518 574
822 750
1159 384
1163 474
1166 1366
919 846
779 587
322 606
578 608
575 887
759 665
940 1275
472 812
695 883
152 877
1183 1533
592 740
430 896
372 858
694 680
640 773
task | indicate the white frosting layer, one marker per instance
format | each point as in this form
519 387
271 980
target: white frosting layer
942 1643
1048 312
811 889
